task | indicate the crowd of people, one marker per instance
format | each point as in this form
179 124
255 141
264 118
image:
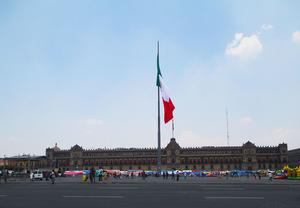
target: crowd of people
92 175
104 175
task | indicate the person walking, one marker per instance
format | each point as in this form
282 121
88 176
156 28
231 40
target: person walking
31 176
227 175
52 177
270 176
94 175
47 174
143 175
185 175
100 175
91 176
5 175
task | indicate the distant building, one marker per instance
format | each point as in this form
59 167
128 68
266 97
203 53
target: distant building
294 157
1 162
25 162
248 156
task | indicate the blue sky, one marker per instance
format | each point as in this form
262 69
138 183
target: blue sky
83 72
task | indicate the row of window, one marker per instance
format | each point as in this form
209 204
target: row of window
209 160
149 161
270 166
270 160
132 154
164 161
214 152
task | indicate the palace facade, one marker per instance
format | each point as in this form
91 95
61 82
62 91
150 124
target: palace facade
294 157
248 156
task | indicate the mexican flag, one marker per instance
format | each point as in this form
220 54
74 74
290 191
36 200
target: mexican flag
168 104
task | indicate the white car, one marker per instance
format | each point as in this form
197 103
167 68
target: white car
37 175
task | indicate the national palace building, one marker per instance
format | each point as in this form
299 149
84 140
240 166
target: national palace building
248 156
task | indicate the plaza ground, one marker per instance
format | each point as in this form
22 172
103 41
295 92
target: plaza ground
152 192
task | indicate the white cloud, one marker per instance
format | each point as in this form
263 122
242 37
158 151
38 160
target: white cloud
296 36
246 120
244 47
267 27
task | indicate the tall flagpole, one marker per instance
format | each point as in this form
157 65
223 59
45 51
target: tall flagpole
227 126
158 120
173 128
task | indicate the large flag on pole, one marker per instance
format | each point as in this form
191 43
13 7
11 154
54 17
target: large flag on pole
168 104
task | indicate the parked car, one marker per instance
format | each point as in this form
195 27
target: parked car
37 175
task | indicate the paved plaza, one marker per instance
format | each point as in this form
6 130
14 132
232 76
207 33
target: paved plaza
152 192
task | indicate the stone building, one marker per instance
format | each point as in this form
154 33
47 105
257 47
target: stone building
25 162
294 157
248 156
2 164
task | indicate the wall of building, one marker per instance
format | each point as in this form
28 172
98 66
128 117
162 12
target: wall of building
294 157
248 156
26 163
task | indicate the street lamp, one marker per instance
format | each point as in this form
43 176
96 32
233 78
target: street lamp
4 162
4 171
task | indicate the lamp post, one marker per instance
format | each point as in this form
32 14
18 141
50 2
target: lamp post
4 171
3 168
4 162
29 167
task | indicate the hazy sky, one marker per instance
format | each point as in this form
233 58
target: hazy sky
84 72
